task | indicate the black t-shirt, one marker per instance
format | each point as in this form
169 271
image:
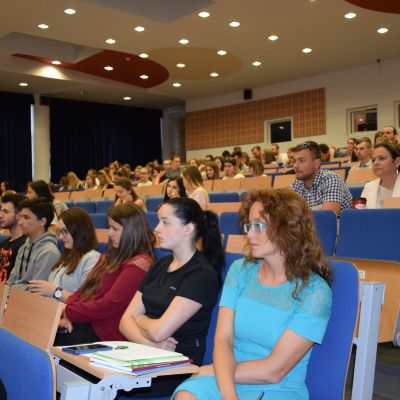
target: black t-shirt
14 246
196 280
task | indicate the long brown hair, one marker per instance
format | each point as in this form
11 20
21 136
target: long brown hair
290 227
80 226
136 238
127 185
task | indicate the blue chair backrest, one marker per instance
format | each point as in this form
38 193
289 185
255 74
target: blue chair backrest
89 206
229 225
152 219
26 370
326 226
103 206
327 367
371 234
101 247
160 253
152 203
356 191
226 197
100 220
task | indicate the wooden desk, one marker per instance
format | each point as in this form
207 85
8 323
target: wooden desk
72 386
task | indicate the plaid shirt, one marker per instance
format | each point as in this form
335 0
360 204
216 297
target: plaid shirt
327 186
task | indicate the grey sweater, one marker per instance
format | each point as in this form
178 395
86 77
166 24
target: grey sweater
34 260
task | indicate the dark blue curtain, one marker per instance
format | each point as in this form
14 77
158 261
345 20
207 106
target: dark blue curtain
15 139
90 135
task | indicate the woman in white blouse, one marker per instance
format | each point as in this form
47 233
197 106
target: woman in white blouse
385 164
76 230
194 185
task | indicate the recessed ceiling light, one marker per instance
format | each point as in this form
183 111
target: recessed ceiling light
23 84
214 74
256 63
272 38
307 50
111 41
139 28
221 52
234 24
56 62
70 11
181 65
43 26
144 77
184 41
204 14
127 98
108 68
143 55
383 30
350 15
176 84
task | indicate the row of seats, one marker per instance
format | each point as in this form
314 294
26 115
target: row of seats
152 203
370 234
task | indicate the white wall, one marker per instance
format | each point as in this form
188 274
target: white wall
362 86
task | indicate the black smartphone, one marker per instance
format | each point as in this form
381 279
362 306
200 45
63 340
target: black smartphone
86 348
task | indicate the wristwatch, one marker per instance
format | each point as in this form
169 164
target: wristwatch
58 293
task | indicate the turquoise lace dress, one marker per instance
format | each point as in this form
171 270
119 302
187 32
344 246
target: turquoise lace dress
262 314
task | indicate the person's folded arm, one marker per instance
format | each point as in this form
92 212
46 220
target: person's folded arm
288 351
82 311
178 312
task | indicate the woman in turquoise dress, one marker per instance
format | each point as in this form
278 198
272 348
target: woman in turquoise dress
275 305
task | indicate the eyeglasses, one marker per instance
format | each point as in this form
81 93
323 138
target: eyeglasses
256 227
62 232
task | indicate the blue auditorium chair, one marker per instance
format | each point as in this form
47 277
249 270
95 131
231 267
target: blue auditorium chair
152 219
227 197
326 226
356 191
100 220
370 234
328 363
152 203
89 206
103 206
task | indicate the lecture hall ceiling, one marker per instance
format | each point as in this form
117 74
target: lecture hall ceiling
92 69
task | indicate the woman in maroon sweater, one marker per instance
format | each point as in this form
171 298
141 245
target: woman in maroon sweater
93 312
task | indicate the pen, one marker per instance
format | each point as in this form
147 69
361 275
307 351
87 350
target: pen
121 348
260 396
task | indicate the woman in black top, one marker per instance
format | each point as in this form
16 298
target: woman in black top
172 309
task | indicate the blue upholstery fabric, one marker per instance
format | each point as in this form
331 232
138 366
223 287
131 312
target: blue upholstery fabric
25 370
327 367
100 220
226 197
152 219
89 206
102 206
326 225
152 203
371 234
356 191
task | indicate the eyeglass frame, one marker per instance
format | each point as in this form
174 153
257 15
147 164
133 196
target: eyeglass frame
251 226
62 232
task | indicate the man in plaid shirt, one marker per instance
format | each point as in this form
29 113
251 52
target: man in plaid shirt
321 188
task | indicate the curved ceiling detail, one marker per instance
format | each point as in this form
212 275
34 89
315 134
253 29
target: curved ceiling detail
389 6
127 68
199 62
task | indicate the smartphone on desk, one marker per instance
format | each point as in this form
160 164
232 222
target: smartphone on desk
86 348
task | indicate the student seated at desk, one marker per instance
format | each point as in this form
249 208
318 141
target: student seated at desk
76 230
93 312
172 308
275 305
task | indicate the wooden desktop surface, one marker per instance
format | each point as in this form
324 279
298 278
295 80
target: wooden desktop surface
83 363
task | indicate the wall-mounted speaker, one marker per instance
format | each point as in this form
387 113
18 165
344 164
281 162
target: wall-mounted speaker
247 94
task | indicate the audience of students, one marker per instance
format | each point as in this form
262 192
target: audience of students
385 164
93 312
275 305
186 283
38 254
76 231
10 208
